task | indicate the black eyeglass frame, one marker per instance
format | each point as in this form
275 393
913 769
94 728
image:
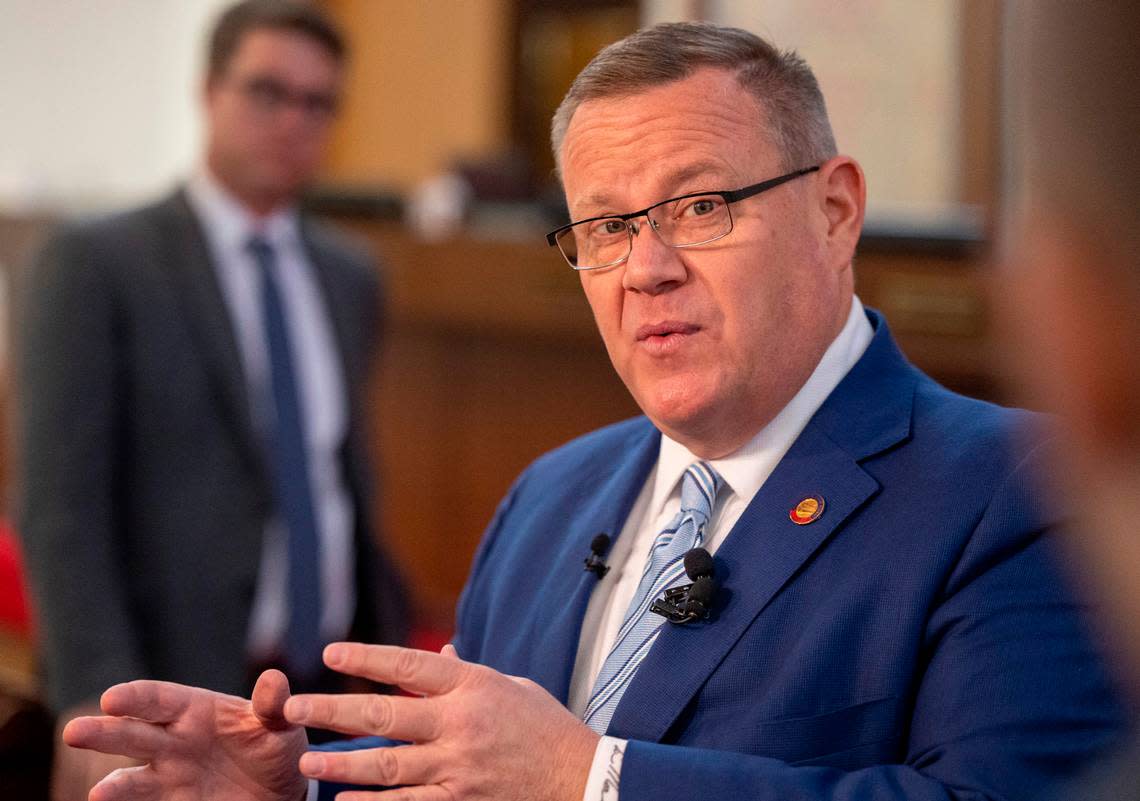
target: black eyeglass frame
730 196
270 96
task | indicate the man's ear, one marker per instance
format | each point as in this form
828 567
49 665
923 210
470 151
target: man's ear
843 200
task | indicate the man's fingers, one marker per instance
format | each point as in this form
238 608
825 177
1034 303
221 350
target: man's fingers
128 784
398 765
449 651
415 671
136 739
76 770
269 696
156 701
398 717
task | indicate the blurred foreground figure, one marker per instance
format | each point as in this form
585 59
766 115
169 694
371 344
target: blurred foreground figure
194 496
1071 292
880 614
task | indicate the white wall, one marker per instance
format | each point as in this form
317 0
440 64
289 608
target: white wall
98 99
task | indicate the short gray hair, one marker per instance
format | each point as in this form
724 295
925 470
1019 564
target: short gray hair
783 83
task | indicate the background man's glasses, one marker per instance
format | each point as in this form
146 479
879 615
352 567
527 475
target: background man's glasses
269 96
681 222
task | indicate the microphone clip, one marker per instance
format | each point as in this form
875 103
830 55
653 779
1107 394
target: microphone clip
594 562
677 607
689 602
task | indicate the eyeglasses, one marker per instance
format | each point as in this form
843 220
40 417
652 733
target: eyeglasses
269 96
682 222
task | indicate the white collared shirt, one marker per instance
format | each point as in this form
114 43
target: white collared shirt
744 472
228 227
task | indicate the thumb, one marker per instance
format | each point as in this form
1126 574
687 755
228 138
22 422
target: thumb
450 652
269 696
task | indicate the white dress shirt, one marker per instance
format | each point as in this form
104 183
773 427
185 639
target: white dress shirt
744 472
228 227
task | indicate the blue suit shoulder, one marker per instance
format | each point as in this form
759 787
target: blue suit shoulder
966 428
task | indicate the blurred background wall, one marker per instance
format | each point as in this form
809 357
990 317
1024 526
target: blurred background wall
491 354
98 101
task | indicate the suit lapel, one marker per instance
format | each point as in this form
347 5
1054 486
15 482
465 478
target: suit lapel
868 412
762 553
207 317
604 509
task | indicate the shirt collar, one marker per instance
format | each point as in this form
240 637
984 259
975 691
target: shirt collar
745 470
230 223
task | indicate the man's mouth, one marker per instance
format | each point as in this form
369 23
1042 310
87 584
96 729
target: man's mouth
664 337
665 329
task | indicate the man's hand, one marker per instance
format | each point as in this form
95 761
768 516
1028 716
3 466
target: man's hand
476 734
75 771
197 745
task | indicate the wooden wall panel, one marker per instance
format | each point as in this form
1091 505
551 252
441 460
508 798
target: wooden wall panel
460 415
427 83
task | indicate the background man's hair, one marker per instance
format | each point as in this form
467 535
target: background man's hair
1074 99
293 16
792 107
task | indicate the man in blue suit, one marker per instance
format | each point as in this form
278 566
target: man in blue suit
886 621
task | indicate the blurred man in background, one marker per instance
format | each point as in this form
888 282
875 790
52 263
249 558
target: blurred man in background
194 498
1071 291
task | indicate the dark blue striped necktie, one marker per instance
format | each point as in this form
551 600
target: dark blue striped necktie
288 463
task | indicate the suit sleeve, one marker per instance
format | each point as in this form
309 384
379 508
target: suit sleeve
1011 699
67 407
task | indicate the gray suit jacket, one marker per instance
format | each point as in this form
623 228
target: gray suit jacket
142 493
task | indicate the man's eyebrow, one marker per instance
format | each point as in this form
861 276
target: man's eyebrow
711 169
595 200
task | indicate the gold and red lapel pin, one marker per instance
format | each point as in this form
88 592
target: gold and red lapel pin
807 511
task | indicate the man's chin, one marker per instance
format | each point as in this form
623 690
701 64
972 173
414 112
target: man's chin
682 415
277 191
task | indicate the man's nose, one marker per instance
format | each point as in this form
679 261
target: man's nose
293 116
652 267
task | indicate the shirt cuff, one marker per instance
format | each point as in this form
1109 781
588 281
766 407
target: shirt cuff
605 771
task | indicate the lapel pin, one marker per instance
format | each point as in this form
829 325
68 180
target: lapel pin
807 511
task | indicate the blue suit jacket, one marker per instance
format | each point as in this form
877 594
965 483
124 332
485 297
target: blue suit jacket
916 641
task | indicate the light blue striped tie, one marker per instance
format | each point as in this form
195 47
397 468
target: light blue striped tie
665 568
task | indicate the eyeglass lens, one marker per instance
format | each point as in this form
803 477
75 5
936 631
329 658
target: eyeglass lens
679 223
270 95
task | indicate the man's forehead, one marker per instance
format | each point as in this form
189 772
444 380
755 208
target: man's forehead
704 127
678 177
282 49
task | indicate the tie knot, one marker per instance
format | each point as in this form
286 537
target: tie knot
699 489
